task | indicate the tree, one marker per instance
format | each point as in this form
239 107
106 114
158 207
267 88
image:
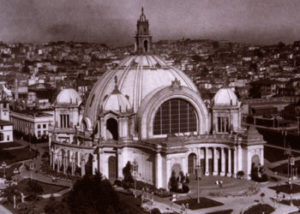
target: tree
56 207
155 211
9 193
92 194
262 195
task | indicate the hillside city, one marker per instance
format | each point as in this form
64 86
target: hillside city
265 78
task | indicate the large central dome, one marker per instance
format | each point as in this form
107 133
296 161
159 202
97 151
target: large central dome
137 76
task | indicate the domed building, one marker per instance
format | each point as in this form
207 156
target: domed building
151 114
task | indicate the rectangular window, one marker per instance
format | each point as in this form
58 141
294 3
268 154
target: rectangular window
65 121
7 137
39 126
44 126
39 133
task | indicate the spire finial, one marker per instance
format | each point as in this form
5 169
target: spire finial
142 10
116 89
116 80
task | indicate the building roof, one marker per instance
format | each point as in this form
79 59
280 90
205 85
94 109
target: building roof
225 97
137 76
68 96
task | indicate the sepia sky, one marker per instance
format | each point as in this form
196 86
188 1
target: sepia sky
114 21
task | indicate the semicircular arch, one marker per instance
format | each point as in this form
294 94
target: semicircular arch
151 104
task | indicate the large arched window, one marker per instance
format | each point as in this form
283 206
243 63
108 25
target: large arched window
175 116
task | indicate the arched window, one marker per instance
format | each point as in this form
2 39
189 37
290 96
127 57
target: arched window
146 45
112 127
175 116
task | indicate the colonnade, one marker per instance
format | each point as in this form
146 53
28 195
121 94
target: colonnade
215 161
61 161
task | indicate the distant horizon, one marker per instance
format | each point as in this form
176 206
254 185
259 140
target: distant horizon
156 41
113 22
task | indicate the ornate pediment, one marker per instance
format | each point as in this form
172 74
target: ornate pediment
176 84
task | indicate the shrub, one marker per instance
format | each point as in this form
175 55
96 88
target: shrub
118 183
155 211
240 174
162 193
173 182
185 188
128 179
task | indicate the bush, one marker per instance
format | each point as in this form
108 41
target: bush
240 174
118 183
56 207
185 188
173 182
128 179
163 193
155 211
260 208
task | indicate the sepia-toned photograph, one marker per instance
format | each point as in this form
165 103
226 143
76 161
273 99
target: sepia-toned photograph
149 107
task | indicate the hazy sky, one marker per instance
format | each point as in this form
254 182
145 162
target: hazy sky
114 21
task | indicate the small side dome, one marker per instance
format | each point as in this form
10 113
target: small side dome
68 96
116 102
225 97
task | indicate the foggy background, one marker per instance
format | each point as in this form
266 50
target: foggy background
114 22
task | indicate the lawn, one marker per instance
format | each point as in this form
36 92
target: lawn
286 188
204 203
274 154
221 212
283 168
260 209
296 202
131 204
9 171
47 188
11 156
8 145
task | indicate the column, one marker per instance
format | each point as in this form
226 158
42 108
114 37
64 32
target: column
59 162
168 172
206 162
94 166
261 158
73 164
82 164
103 164
229 163
51 157
120 163
235 162
223 162
65 163
215 172
53 160
158 171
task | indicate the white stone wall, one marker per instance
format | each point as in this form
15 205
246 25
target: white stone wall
145 160
7 131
